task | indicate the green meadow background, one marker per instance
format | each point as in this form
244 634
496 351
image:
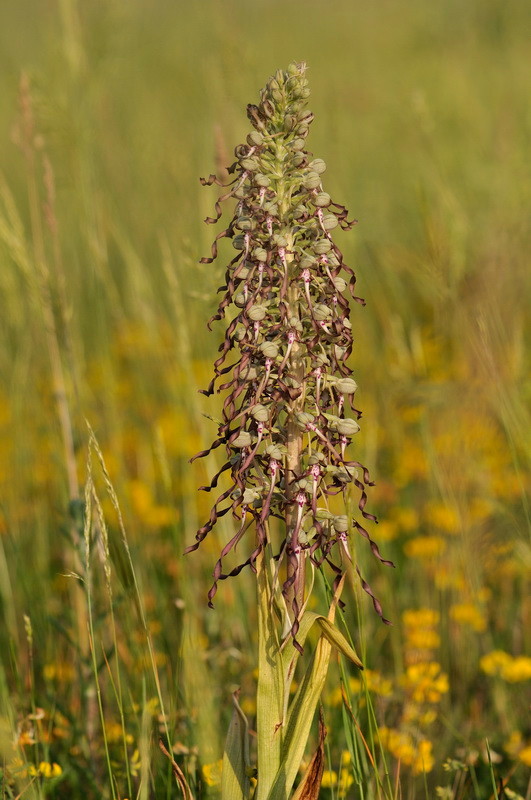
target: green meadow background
109 113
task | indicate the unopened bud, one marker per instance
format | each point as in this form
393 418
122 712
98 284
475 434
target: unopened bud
340 523
322 246
269 349
347 427
330 222
260 413
311 181
346 385
318 165
257 312
243 439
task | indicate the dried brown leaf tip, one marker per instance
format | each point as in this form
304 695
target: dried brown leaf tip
288 415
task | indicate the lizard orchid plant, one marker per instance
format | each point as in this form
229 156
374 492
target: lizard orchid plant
288 414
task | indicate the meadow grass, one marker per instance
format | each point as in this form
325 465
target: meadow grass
422 115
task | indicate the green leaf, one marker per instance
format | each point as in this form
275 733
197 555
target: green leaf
270 709
336 638
235 783
302 708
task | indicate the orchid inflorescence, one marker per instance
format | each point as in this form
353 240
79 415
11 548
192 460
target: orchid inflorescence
286 427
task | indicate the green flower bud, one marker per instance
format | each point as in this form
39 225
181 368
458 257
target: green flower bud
260 413
340 523
289 122
322 199
242 440
347 427
274 452
250 374
239 300
255 138
238 242
261 180
318 165
307 261
346 385
322 246
311 180
250 164
330 222
302 418
250 497
257 312
299 211
295 323
280 240
260 254
320 311
298 159
297 144
269 349
323 514
339 284
245 224
346 474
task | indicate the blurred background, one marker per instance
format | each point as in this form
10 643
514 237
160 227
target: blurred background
109 113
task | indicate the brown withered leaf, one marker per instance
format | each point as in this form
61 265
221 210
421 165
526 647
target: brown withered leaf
308 788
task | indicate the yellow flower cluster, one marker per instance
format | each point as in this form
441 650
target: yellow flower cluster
420 631
425 682
518 749
342 781
374 682
46 770
425 548
468 614
416 755
212 773
512 669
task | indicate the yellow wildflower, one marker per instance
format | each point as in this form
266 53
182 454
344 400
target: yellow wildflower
443 516
420 618
46 770
248 706
407 519
387 530
425 682
402 746
517 670
414 713
212 773
60 671
114 733
377 684
329 779
345 782
517 749
468 614
425 548
422 639
423 761
446 578
413 465
494 662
